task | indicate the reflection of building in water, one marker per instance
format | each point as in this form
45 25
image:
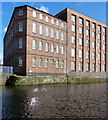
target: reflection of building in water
37 42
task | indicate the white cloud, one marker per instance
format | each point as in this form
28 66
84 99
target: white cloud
1 58
45 9
5 29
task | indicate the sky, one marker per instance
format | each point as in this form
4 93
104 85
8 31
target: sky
95 10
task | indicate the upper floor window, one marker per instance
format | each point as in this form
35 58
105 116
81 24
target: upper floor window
80 30
73 39
46 46
93 25
103 47
103 37
87 32
99 27
52 48
87 43
87 54
93 44
62 35
46 18
104 29
57 23
20 26
34 44
34 13
20 45
93 34
93 55
52 33
40 30
98 56
62 24
104 57
40 16
80 54
62 50
99 46
47 31
80 21
73 17
20 12
99 36
57 34
73 52
40 45
80 41
52 21
57 48
34 28
73 28
87 23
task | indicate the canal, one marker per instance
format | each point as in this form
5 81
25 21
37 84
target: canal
55 101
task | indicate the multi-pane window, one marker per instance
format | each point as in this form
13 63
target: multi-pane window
87 66
62 35
93 44
73 52
40 62
104 57
87 43
34 44
52 33
20 12
40 16
40 45
62 24
80 54
57 34
52 63
103 47
20 62
40 30
87 33
87 23
52 48
73 39
34 28
93 67
80 21
52 21
47 31
80 30
34 13
98 36
20 43
93 34
93 55
57 23
73 17
62 50
98 56
87 54
46 18
80 66
80 41
46 63
99 27
73 28
93 25
99 67
62 64
20 26
34 62
46 46
99 46
57 48
57 63
73 65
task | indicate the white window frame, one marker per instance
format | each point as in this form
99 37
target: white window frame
34 44
40 16
46 46
80 41
40 45
73 39
34 14
46 19
73 28
62 50
47 31
80 53
73 52
40 29
34 27
57 49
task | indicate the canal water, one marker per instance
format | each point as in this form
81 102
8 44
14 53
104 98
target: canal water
55 101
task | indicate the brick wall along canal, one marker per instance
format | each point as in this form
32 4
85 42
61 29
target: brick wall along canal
50 101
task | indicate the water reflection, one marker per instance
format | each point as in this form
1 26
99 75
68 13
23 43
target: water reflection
55 101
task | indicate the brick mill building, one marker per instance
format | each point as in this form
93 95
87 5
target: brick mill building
39 43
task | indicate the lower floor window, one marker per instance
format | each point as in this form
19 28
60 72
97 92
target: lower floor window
87 67
40 62
93 67
73 66
80 66
20 61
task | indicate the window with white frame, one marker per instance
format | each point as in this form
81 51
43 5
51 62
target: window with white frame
34 28
80 41
93 34
93 44
80 30
34 44
73 40
99 46
80 54
73 52
103 47
93 67
62 64
40 45
40 29
62 35
34 62
52 63
46 18
87 54
57 63
104 29
73 66
104 57
103 37
40 62
20 12
98 36
80 66
52 33
93 55
34 13
57 34
57 23
99 27
52 21
20 26
40 16
62 24
87 43
52 48
98 56
87 67
62 50
57 48
73 28
73 17
46 62
47 31
20 43
93 25
87 33
80 21
20 62
46 46
87 23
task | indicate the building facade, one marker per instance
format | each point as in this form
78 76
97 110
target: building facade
39 43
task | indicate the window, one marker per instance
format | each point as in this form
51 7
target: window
99 67
73 52
99 27
80 21
52 21
57 48
87 43
62 24
80 30
47 31
73 28
34 44
57 63
62 35
34 13
80 41
93 25
93 55
93 44
93 34
98 36
62 50
62 64
57 34
87 67
34 62
87 32
103 37
104 30
46 63
104 57
73 39
46 18
104 67
57 23
73 17
99 47
46 46
20 26
20 43
52 33
52 63
80 66
40 45
20 61
52 48
20 12
80 54
103 47
34 28
40 16
40 29
98 56
72 66
93 67
40 62
87 23
87 54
